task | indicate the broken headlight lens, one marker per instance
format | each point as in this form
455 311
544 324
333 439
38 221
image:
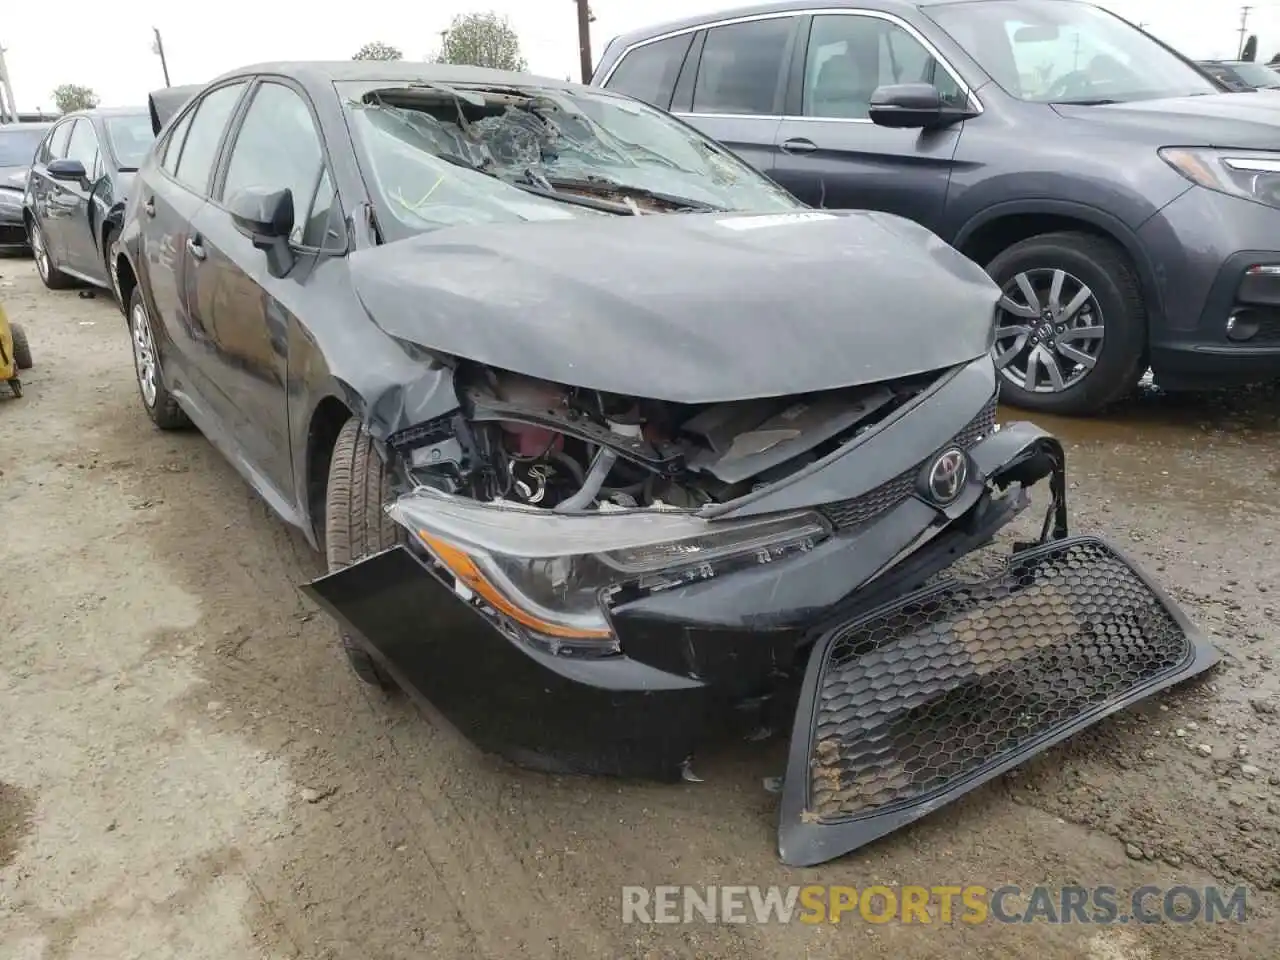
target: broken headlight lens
549 575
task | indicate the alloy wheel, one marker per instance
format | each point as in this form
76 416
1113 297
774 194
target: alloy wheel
144 354
40 252
1049 331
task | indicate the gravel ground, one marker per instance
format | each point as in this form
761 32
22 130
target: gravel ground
188 769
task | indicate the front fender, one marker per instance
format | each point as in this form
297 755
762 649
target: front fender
1096 217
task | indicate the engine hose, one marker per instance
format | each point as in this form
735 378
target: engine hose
570 465
600 467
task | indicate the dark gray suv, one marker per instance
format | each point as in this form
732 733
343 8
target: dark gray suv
1128 206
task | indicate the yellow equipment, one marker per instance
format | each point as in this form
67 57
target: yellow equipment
15 353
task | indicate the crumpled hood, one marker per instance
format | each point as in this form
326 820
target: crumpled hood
1249 121
689 308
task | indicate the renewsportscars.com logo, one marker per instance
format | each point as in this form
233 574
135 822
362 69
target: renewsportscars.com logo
969 904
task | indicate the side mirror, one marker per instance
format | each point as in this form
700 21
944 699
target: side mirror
72 170
913 105
266 217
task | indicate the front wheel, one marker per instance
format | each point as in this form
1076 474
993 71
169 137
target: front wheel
160 404
108 271
1071 326
50 275
356 526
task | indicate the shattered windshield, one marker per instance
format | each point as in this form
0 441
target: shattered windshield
442 156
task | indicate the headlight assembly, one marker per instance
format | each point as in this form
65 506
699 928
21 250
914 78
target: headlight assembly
1251 174
10 200
548 577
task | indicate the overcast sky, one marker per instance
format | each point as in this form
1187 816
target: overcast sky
108 47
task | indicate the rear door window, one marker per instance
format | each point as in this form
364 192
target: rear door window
208 124
649 72
742 66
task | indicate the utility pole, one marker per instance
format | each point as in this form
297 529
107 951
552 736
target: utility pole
158 49
8 109
1244 28
584 38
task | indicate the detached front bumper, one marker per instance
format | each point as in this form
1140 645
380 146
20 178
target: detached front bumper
694 658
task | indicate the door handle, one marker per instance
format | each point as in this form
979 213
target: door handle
197 250
799 145
149 208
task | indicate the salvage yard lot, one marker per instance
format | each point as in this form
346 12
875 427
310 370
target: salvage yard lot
188 768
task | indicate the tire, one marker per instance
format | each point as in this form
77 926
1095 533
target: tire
355 525
1117 356
108 270
21 349
50 275
159 403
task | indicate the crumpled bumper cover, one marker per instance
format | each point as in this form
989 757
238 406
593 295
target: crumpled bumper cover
925 698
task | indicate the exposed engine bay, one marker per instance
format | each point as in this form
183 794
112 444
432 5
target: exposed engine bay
567 449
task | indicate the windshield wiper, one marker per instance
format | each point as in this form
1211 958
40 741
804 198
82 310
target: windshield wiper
1099 102
604 184
539 186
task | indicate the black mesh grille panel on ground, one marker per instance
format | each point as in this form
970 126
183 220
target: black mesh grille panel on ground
931 692
845 514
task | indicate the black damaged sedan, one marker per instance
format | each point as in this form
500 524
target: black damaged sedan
615 448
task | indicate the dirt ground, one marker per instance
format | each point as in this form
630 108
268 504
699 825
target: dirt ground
188 769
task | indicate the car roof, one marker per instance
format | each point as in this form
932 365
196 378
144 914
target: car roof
785 6
317 73
107 112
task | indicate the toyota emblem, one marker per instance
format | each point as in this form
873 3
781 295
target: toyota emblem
947 476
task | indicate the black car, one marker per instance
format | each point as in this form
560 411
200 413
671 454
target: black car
613 445
1127 206
18 144
1242 74
76 192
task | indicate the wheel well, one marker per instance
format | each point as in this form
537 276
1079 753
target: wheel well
989 240
126 280
326 424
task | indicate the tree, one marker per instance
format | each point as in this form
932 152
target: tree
71 96
377 50
482 40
